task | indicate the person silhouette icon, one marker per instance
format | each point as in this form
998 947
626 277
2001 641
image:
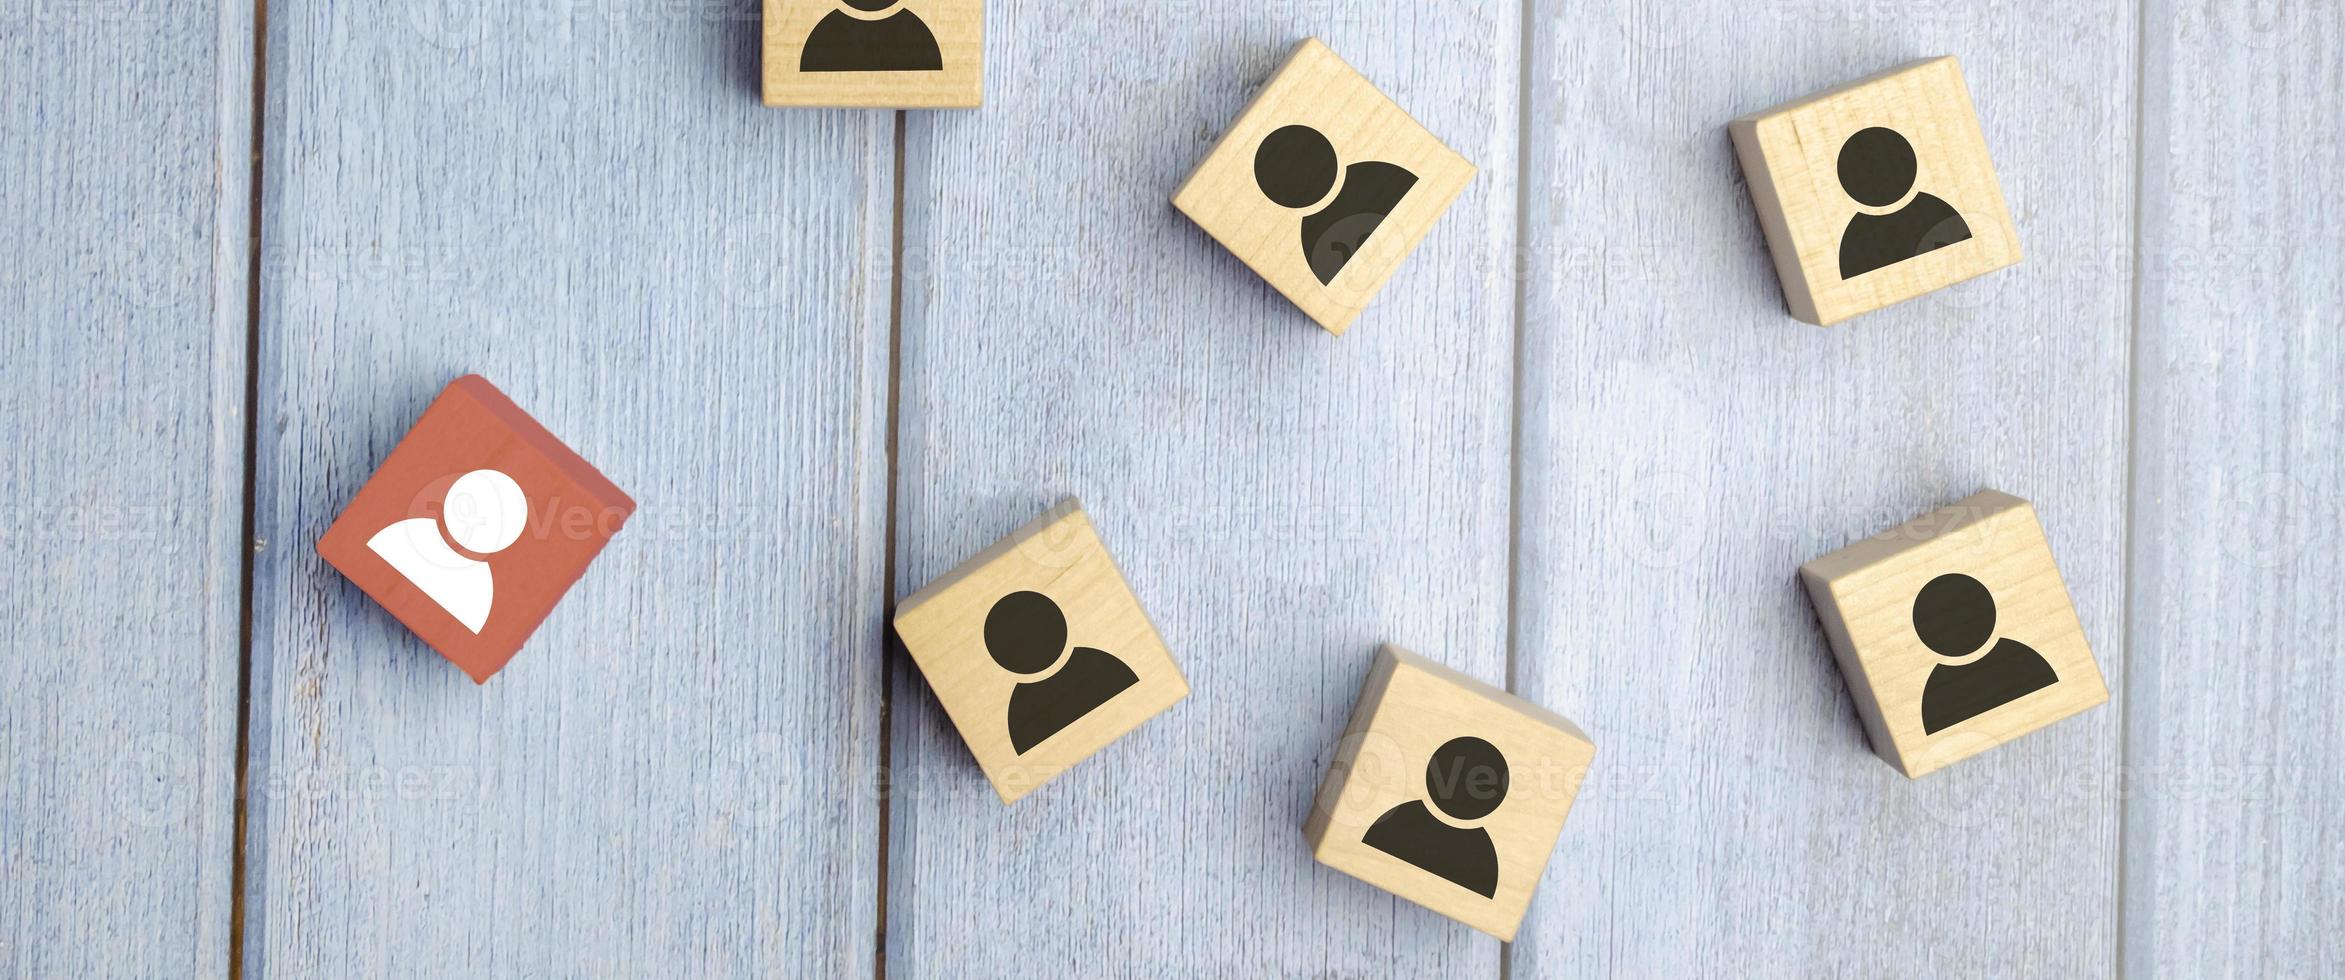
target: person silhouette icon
1466 778
1877 169
483 513
1955 616
844 42
1296 168
1026 634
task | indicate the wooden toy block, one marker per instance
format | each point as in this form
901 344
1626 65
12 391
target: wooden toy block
875 54
1447 792
1876 192
1955 632
1323 186
1039 652
474 526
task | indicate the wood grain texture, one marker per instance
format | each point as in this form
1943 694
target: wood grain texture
1283 500
124 230
588 205
1409 796
1372 145
2235 815
1086 647
1686 445
1794 156
955 28
1932 699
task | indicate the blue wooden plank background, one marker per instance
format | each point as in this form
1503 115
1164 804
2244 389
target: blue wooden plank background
1576 447
1684 449
1282 500
125 148
2234 798
679 775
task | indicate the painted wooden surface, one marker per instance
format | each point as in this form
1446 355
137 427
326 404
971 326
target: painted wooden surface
683 772
1686 445
124 140
591 208
1282 501
2235 813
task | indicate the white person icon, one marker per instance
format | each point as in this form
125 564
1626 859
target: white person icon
483 513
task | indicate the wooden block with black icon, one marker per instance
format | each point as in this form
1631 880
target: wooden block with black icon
1039 652
1876 192
1323 185
875 54
1955 632
1447 791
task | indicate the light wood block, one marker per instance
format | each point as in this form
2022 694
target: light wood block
1447 792
1323 185
875 54
1876 192
1955 632
1039 652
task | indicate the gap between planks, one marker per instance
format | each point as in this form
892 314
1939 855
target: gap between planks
255 168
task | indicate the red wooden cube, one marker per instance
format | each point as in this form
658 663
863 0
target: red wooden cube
475 526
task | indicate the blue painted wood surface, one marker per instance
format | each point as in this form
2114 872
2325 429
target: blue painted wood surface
677 776
125 140
1576 446
1685 448
2235 801
1282 500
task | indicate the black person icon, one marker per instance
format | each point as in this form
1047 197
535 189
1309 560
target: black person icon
1877 169
844 42
1296 167
1955 615
1025 632
1466 778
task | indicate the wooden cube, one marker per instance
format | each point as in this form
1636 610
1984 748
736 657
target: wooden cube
1447 792
1039 652
475 526
1955 632
1876 192
875 54
1323 186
